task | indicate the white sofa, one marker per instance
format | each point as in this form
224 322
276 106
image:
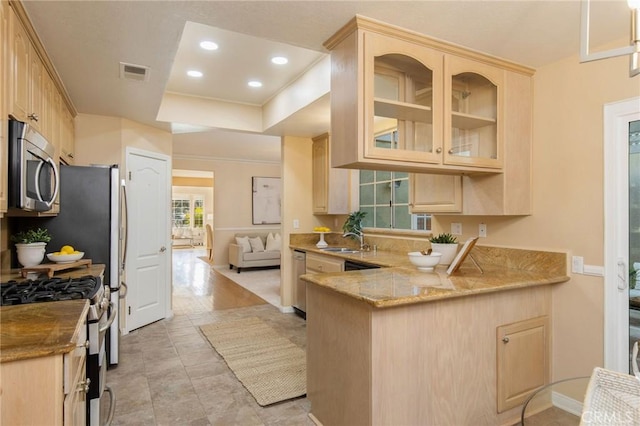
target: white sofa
255 257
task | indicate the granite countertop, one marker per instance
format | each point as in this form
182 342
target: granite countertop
398 282
40 329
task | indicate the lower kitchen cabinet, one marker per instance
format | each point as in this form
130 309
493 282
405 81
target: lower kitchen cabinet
522 350
46 390
317 263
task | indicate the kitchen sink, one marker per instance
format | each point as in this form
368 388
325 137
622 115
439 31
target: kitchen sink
339 250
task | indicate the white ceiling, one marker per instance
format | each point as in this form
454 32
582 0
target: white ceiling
87 40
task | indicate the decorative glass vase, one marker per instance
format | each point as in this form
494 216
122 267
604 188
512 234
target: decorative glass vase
30 254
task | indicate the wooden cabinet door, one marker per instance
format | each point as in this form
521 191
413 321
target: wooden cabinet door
522 350
67 134
474 113
320 176
331 186
19 69
4 95
36 90
435 193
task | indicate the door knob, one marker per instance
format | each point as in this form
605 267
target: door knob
505 339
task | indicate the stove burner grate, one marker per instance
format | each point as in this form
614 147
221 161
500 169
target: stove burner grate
48 290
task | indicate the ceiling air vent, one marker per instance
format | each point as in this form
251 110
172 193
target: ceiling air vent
134 72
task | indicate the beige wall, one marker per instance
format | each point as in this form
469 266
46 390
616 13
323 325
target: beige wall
103 140
232 197
567 198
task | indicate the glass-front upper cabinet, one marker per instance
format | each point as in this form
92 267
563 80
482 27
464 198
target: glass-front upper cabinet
473 129
403 102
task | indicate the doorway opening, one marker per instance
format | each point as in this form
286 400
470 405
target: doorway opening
192 222
622 246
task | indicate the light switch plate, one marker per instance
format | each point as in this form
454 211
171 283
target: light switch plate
456 228
482 230
577 264
296 224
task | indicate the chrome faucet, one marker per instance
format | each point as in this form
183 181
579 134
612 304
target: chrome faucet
359 236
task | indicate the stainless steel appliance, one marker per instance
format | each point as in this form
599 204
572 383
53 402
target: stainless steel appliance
33 174
92 218
99 319
300 268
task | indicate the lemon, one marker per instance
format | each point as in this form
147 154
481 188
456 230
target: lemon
56 253
76 252
67 250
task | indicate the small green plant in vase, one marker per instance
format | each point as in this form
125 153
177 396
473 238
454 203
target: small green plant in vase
445 244
40 235
30 246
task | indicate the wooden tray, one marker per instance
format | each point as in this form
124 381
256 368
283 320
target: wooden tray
51 268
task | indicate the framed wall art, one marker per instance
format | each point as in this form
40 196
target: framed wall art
266 206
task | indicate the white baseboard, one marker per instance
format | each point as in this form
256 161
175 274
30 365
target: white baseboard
567 404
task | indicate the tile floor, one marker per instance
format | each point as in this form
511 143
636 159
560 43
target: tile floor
168 373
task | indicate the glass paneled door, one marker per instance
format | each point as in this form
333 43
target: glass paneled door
634 234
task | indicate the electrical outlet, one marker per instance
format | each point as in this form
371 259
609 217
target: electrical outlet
577 264
456 228
296 224
482 230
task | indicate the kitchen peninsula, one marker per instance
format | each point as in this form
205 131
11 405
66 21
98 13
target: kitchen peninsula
400 346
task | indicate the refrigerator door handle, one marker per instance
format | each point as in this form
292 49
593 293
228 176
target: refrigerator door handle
126 224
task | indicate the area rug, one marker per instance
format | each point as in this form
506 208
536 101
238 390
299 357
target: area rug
270 366
264 283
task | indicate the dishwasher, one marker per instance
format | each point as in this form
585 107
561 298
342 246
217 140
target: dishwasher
300 294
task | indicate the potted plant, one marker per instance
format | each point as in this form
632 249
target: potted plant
447 245
30 246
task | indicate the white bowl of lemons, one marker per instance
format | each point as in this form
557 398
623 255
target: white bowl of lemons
67 254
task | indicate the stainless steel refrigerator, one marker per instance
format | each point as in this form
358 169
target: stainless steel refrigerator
92 219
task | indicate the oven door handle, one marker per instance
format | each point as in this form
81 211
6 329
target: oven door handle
111 319
112 406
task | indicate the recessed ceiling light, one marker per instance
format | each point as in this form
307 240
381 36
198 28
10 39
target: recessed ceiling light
255 83
209 45
194 73
279 60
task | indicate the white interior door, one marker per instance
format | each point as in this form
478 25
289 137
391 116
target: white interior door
149 257
617 262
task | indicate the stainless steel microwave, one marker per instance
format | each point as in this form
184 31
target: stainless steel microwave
33 173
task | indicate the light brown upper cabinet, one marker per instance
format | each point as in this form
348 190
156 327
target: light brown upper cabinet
402 101
26 77
330 186
4 96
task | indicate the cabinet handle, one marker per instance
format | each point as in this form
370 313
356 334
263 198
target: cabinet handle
84 345
33 116
505 339
84 385
450 151
438 150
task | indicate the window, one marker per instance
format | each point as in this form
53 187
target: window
187 211
384 196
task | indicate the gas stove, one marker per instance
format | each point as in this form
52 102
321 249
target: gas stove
101 316
56 289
